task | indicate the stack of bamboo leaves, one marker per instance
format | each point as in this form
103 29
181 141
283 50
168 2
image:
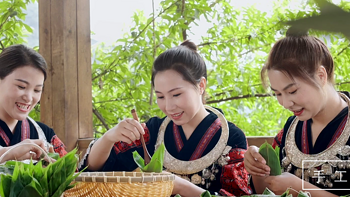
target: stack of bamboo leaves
19 179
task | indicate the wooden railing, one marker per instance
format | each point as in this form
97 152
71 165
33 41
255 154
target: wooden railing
258 140
252 140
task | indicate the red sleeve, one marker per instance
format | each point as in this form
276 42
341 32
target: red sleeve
234 177
278 139
120 147
58 146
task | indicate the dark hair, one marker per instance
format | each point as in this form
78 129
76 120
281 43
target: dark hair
299 55
17 56
183 59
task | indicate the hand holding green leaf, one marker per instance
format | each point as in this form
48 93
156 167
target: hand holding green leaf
272 158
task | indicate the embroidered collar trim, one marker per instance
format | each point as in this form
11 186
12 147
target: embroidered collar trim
190 167
297 157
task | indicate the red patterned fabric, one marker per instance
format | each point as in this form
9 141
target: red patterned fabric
234 177
4 137
58 146
120 147
25 130
304 139
278 139
177 136
206 138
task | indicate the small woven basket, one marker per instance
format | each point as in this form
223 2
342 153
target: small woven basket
126 184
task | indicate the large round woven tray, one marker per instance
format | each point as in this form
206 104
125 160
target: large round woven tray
126 184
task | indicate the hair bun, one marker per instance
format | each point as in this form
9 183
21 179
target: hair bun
189 45
296 32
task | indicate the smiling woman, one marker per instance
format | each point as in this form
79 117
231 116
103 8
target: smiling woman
22 76
300 70
201 146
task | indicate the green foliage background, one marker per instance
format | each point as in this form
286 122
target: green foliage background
235 47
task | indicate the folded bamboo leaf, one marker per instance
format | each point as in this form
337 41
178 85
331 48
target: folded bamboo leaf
286 193
268 192
156 163
302 194
271 158
206 194
138 159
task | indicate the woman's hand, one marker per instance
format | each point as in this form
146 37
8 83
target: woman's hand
185 188
279 184
127 131
28 150
254 163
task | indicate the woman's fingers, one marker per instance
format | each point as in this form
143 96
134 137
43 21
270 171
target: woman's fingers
137 125
40 143
257 157
255 163
131 131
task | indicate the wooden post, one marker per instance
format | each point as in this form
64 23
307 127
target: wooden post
65 43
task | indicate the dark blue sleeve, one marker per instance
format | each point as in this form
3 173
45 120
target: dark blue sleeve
121 159
237 138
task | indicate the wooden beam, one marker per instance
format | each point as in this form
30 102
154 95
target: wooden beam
64 40
259 140
45 50
84 69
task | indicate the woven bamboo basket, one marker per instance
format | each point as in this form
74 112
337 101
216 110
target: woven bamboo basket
128 184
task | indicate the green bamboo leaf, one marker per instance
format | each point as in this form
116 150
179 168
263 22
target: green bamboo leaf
156 163
286 193
269 154
206 194
66 185
268 192
55 156
5 184
29 191
138 160
302 194
56 180
16 188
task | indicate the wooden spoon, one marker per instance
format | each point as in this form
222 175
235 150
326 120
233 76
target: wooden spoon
147 156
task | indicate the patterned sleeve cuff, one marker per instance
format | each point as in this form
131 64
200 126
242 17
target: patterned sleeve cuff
58 146
234 177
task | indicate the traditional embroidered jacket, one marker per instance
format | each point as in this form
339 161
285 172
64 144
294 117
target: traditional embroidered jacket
29 129
326 163
211 158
